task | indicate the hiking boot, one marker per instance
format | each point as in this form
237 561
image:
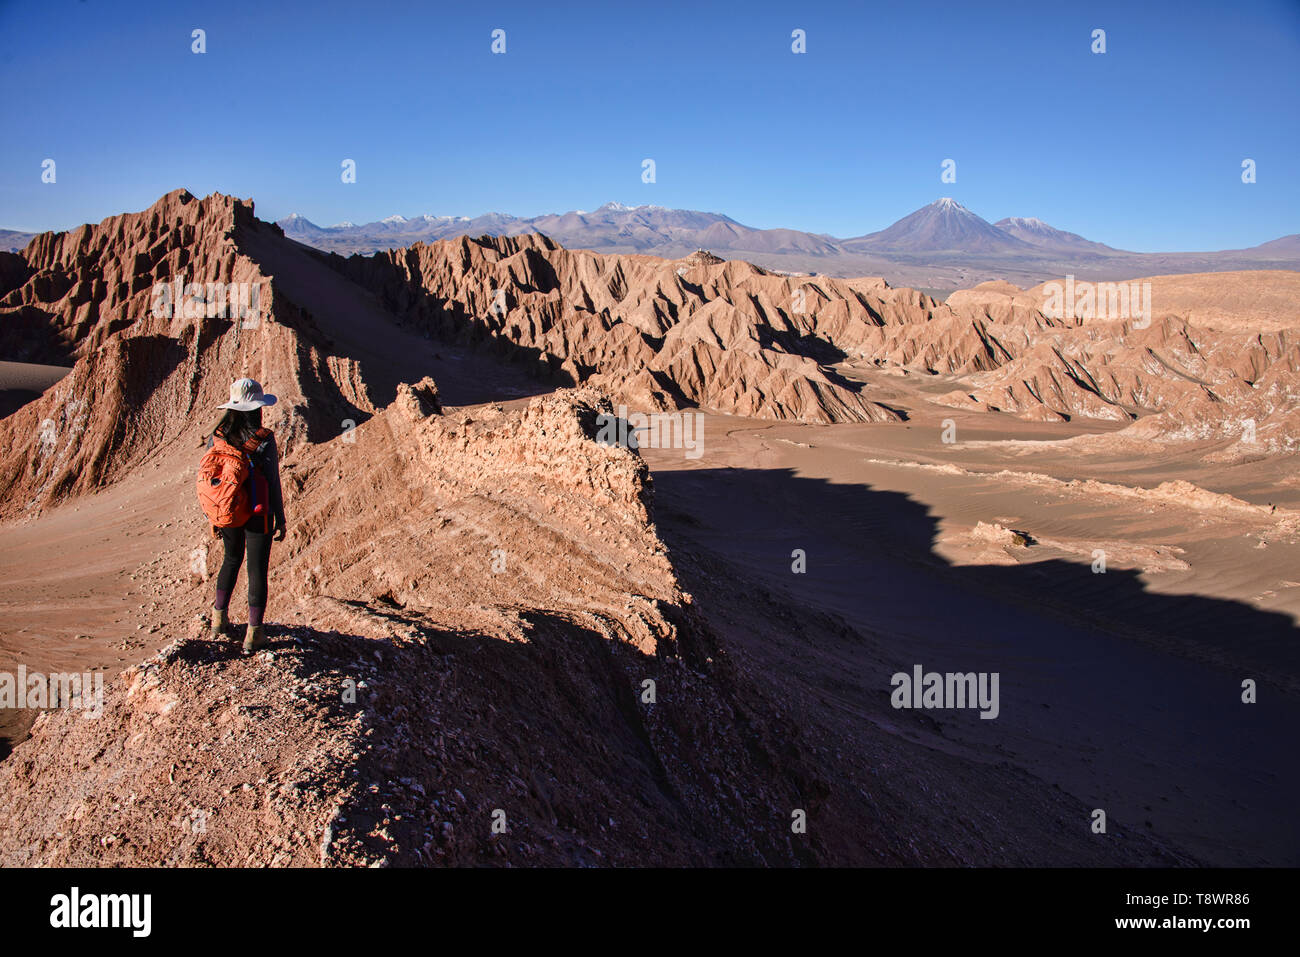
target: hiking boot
221 624
255 639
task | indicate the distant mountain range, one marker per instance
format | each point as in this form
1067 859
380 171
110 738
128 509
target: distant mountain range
942 246
939 248
11 240
611 228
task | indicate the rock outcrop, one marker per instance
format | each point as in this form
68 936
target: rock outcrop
1216 359
661 333
150 366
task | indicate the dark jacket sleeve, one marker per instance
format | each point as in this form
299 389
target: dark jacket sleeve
273 481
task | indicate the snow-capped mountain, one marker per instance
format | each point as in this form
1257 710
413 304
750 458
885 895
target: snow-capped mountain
943 225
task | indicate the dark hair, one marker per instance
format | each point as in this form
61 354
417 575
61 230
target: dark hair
238 427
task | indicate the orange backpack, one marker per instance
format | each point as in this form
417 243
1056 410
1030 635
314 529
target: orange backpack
231 488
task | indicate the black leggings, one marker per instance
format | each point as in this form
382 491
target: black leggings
258 544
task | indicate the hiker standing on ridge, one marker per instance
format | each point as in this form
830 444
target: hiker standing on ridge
239 489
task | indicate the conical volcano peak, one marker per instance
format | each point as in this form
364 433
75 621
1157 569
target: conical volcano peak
943 226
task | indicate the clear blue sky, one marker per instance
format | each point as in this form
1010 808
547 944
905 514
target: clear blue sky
1140 147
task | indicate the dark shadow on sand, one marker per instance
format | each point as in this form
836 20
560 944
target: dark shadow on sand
1093 664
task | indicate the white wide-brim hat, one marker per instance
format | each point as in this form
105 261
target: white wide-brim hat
247 395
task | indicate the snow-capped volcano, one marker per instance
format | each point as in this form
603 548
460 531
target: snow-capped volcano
943 225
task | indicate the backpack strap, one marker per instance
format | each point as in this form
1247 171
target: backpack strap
258 443
255 447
